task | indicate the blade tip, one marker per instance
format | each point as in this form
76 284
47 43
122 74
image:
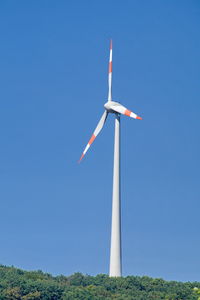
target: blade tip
80 158
139 118
110 44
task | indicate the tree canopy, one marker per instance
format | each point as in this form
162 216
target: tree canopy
16 284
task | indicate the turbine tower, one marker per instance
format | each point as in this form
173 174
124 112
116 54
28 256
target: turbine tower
118 109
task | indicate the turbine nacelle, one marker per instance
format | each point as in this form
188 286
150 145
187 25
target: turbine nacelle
116 107
109 106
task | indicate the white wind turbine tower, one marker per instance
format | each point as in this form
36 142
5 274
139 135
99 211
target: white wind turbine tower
117 109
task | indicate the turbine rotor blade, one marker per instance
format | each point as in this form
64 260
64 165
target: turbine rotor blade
110 74
124 111
95 133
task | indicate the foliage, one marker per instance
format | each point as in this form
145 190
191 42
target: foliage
16 284
197 291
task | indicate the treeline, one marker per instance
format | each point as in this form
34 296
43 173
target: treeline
16 284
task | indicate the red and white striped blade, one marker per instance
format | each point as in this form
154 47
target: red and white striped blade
95 133
110 75
124 111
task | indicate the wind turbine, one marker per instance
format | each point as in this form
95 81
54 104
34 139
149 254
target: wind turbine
117 109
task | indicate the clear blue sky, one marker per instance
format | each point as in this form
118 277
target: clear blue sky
55 213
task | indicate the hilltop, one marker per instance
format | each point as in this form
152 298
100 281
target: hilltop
17 284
